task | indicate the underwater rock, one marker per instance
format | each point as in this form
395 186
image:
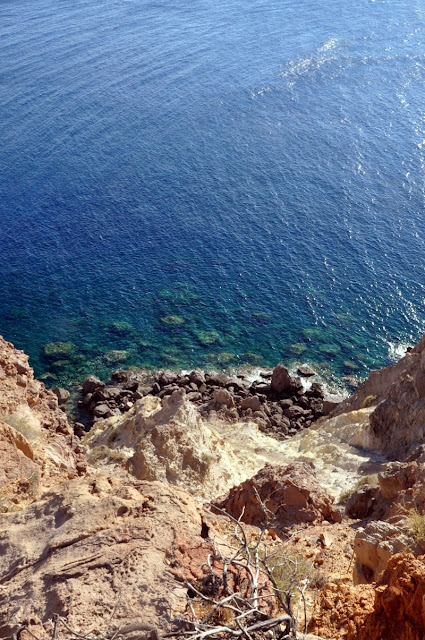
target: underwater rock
330 349
297 349
173 320
117 355
251 358
121 328
59 350
207 337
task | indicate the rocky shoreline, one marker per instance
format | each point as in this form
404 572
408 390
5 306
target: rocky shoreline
279 403
104 524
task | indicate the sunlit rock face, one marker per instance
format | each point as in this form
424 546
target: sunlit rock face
397 394
102 552
169 441
37 446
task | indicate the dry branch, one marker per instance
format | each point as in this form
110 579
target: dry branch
247 599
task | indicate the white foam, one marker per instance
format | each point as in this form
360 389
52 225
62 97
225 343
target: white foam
396 350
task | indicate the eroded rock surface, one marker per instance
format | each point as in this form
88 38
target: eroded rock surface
168 440
102 552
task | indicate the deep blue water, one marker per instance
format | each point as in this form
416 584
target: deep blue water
238 181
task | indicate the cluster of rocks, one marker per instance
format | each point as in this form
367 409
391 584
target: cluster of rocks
278 402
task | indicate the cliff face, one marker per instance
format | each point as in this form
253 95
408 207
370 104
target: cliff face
37 443
398 393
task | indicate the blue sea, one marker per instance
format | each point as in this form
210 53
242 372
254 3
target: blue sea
212 183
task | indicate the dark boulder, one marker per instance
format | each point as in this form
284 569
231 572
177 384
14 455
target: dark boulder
305 371
167 377
197 377
281 380
362 502
91 384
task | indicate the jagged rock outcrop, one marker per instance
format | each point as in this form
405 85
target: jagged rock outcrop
392 504
291 494
398 393
375 389
102 552
22 395
392 609
168 440
36 441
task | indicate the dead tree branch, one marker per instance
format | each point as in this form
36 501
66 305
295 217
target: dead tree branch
253 593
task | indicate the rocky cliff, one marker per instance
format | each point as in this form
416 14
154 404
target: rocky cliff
104 530
38 444
397 394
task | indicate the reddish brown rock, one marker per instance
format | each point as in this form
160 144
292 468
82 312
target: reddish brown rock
390 610
399 612
341 610
291 494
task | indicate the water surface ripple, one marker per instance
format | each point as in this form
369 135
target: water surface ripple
211 183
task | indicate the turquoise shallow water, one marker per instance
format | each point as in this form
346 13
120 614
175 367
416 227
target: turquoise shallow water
232 183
